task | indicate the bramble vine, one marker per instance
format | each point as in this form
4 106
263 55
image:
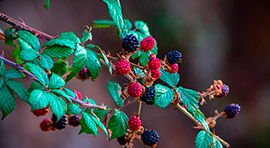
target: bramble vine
47 91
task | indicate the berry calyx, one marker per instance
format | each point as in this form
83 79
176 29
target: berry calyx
78 94
148 96
130 43
155 73
41 112
134 123
74 120
61 123
134 90
173 57
225 91
147 44
45 125
84 74
150 137
231 110
174 68
154 63
122 67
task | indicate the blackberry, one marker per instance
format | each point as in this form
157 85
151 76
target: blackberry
84 74
150 137
121 140
74 120
173 57
41 112
61 123
231 110
130 43
45 125
149 96
225 91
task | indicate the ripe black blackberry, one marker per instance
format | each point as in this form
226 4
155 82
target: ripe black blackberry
173 57
130 43
149 96
74 120
121 140
231 110
150 137
61 123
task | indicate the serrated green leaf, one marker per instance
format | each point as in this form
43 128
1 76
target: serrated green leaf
47 4
103 24
2 68
100 113
128 24
200 113
91 46
70 93
87 35
57 51
115 12
118 124
39 73
93 63
216 143
144 57
58 106
28 54
71 36
203 140
9 37
202 121
13 74
39 99
19 89
139 74
99 124
24 45
62 93
56 81
189 99
29 38
88 125
171 79
60 68
142 27
114 90
103 57
7 101
36 85
163 95
60 42
15 55
1 82
91 101
136 55
46 62
73 109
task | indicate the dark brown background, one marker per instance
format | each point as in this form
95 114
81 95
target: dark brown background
223 39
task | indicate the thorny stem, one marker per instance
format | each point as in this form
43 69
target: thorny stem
87 104
127 104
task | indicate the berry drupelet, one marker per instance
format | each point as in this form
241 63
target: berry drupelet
155 73
231 110
174 68
74 120
61 123
134 123
84 74
225 91
130 43
147 44
150 137
122 67
173 57
154 63
149 96
134 90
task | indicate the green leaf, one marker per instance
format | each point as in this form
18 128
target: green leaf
13 74
87 35
144 58
28 54
171 79
71 36
39 73
142 27
114 90
103 57
89 100
60 68
2 68
88 125
93 63
9 37
99 124
57 51
203 140
189 99
216 143
128 24
46 62
7 101
1 82
136 55
58 106
91 46
62 93
36 85
15 55
73 109
115 12
19 89
100 113
118 124
56 81
103 24
200 113
47 4
138 73
29 38
70 93
163 95
202 121
61 42
39 99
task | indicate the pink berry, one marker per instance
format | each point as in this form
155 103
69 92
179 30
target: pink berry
155 73
122 67
174 68
44 125
40 112
78 94
134 90
152 55
134 123
147 44
154 63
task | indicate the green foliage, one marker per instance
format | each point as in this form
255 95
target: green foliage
57 105
103 24
39 99
9 37
203 140
71 36
30 39
36 85
2 68
19 89
216 143
128 24
73 109
61 42
13 74
57 51
56 81
100 113
39 73
1 82
61 93
118 124
144 57
114 90
87 35
142 27
15 55
28 54
171 79
104 57
7 101
47 4
60 67
46 62
70 93
202 121
163 95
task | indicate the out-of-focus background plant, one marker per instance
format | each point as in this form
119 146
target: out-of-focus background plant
226 40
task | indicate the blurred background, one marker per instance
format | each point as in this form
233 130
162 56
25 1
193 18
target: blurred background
223 39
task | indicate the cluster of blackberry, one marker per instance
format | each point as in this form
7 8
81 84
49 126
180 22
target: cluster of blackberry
60 124
149 96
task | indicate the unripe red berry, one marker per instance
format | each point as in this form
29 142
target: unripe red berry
174 68
154 63
152 55
40 112
84 74
122 67
78 94
134 123
134 90
44 125
147 44
155 73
